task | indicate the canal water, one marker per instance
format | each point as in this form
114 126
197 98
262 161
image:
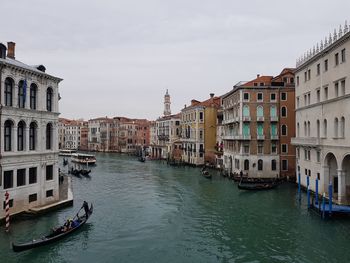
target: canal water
151 212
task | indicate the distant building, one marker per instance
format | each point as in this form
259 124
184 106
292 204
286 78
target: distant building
73 134
323 116
258 118
199 131
29 133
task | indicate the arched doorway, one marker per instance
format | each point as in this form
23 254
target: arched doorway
330 174
345 176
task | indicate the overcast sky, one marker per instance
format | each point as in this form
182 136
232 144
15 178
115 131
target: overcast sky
117 58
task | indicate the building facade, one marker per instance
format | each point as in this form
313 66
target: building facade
323 116
29 133
198 123
258 119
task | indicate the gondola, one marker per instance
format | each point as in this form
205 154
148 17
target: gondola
65 161
56 234
142 159
256 185
206 174
85 172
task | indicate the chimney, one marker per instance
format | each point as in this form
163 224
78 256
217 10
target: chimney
11 50
212 95
258 76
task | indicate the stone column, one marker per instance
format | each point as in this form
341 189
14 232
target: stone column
325 179
26 138
341 186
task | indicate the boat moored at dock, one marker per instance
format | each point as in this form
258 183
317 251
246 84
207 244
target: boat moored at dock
83 158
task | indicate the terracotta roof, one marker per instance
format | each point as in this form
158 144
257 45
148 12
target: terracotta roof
261 79
215 101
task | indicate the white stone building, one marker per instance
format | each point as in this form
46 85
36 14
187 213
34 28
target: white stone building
323 115
29 133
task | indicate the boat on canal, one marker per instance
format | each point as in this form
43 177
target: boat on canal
83 158
251 185
66 152
57 233
205 173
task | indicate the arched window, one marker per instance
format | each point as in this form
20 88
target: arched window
260 165
246 111
308 129
342 127
49 97
8 91
21 93
32 136
284 111
8 135
284 130
48 136
336 123
325 128
273 111
33 94
305 129
298 130
259 111
273 165
246 165
20 136
318 129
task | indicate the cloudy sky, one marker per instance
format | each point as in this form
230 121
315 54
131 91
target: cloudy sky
117 58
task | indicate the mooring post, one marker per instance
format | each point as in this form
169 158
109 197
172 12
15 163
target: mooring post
323 205
299 187
330 194
308 191
7 211
316 186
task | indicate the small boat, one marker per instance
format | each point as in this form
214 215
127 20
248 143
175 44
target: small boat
142 159
75 172
65 161
83 158
66 152
206 174
58 233
85 172
257 185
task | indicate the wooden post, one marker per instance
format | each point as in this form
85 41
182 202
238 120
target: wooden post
7 211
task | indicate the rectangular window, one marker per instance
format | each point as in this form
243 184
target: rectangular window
8 179
49 172
309 74
298 102
297 80
284 148
343 55
336 59
201 116
32 198
305 99
246 148
273 97
298 153
260 148
284 165
305 154
49 193
309 155
10 203
260 97
318 69
32 175
318 156
246 96
336 89
284 96
318 176
325 93
21 177
326 65
273 148
305 76
318 95
308 98
342 87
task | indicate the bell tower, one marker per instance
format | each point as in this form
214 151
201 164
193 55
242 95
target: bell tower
167 110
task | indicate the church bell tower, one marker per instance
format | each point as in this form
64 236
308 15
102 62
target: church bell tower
167 110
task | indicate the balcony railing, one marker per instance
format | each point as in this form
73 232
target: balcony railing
260 118
273 118
274 136
308 141
246 118
244 137
260 137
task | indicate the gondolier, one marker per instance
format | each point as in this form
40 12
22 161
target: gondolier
86 208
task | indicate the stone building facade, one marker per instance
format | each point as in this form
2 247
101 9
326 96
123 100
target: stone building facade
29 133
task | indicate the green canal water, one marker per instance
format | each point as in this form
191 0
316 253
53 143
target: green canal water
151 212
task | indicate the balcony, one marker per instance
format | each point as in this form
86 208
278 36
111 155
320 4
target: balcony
260 137
228 121
246 118
260 118
274 136
273 118
229 137
244 137
306 141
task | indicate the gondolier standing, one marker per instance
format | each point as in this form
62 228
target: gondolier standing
86 208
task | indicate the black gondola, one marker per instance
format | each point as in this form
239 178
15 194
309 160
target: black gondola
56 234
257 185
85 172
65 161
206 174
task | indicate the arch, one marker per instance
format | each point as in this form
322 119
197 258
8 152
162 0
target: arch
22 88
345 166
21 135
260 165
33 96
284 130
325 128
49 136
336 123
8 126
246 165
342 127
8 90
283 111
273 165
259 111
330 171
273 112
49 99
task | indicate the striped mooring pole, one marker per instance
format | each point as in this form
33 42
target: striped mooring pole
7 211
